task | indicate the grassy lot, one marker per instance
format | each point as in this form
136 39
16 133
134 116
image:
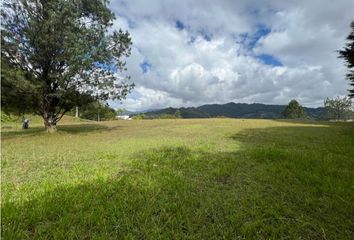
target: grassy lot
179 179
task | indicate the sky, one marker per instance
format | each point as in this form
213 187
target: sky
195 52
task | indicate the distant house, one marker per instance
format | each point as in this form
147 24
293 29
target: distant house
124 117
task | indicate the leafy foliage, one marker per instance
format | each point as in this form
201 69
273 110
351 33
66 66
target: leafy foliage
96 111
120 111
339 108
294 110
59 54
178 114
139 116
167 116
5 118
347 53
16 90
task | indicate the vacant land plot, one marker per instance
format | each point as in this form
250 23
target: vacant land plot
179 179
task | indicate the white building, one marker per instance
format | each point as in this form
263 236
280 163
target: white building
124 117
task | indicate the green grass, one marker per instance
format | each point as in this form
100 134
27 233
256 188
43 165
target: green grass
179 179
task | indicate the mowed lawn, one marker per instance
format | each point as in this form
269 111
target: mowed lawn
179 179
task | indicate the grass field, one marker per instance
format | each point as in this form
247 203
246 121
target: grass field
179 179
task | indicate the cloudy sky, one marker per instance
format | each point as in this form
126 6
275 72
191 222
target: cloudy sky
189 53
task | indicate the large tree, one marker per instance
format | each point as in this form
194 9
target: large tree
57 54
347 53
294 110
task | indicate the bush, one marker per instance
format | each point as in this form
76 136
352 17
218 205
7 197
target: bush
139 116
168 116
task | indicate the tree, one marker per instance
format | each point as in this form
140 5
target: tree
338 108
64 55
347 53
120 111
97 111
178 114
294 110
15 88
139 116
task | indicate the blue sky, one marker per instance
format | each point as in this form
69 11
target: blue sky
189 53
145 66
269 60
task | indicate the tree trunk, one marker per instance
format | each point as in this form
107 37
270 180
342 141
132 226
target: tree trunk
50 125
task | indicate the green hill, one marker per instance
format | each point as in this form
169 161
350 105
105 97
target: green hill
234 110
190 112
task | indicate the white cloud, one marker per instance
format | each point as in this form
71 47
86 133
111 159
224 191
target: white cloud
189 69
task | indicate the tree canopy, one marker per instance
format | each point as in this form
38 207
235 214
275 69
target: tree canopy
347 53
57 54
294 110
96 111
339 108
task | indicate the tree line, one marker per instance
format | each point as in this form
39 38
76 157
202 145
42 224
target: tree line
339 108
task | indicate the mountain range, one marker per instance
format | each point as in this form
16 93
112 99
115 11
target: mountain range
233 110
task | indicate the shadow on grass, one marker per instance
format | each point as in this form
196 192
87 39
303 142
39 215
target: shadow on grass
285 182
71 129
315 122
21 132
85 128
